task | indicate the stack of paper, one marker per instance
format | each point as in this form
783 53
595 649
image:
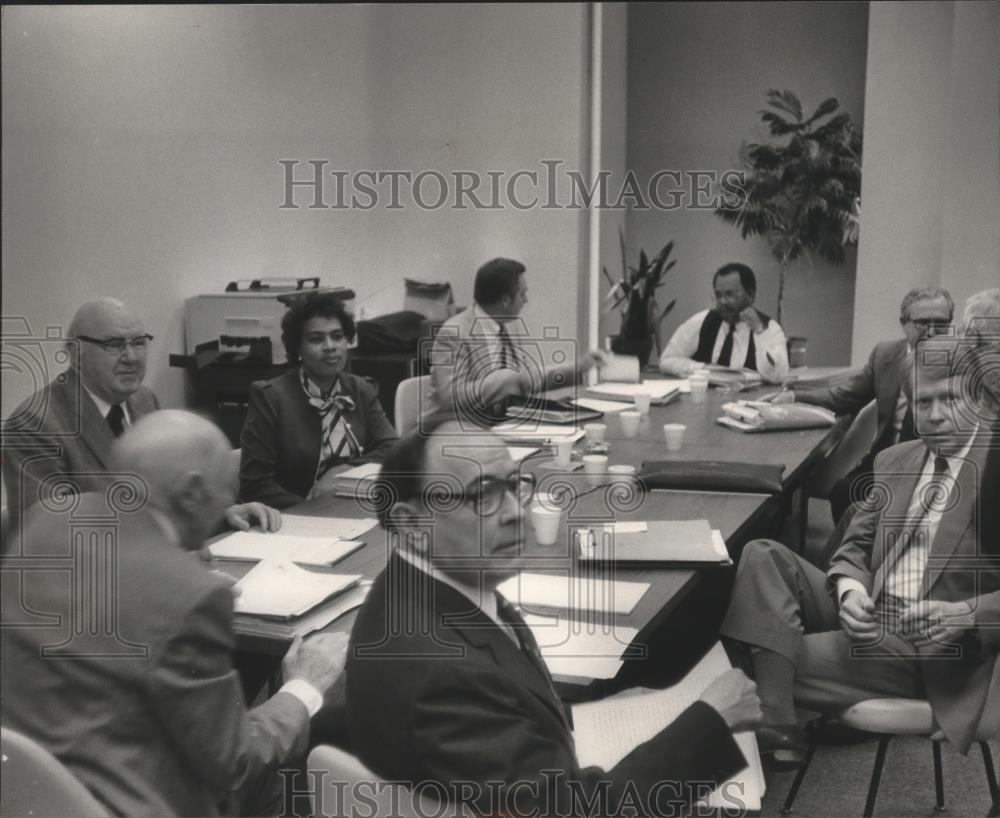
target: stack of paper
255 545
661 391
607 731
580 649
343 528
283 590
351 482
534 433
680 542
575 592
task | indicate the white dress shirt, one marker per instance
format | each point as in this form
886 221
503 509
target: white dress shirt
104 407
678 355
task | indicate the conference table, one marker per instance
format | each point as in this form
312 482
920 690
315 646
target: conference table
736 515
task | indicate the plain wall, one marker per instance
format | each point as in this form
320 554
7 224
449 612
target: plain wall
931 188
697 75
141 149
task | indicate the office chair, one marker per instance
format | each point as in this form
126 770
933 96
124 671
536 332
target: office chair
409 402
885 718
36 783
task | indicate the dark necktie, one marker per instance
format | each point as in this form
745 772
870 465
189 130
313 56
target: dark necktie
726 355
116 419
507 358
529 647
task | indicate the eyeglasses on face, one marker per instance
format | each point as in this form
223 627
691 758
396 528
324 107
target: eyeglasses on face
486 496
116 346
938 325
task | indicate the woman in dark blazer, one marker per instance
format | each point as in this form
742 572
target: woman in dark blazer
314 420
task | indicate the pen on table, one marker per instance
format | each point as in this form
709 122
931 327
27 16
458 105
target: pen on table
774 397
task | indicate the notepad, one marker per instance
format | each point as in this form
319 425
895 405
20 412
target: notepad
256 545
660 391
678 542
283 590
351 483
534 433
607 731
343 528
604 406
572 593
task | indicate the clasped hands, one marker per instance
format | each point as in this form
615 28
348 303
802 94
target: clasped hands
925 624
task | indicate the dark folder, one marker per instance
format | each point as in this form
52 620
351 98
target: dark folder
711 475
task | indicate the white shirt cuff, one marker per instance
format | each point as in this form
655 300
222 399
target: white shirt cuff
305 693
845 584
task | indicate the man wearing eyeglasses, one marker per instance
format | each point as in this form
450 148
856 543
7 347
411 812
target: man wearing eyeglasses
60 438
925 312
444 680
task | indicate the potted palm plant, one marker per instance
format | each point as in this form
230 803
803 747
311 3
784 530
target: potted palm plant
635 296
802 190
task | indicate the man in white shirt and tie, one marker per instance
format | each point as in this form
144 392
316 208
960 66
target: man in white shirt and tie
60 439
481 357
910 605
734 333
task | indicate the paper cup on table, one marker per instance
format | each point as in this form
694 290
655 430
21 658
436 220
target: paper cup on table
621 474
630 419
698 382
546 521
596 467
674 435
642 403
563 451
595 432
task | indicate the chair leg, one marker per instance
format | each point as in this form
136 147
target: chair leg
883 745
991 780
938 777
793 791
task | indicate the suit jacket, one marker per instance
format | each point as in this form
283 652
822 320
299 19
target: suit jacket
962 566
152 721
880 380
436 691
59 432
281 438
465 365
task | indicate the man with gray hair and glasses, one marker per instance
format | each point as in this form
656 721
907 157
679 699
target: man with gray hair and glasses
59 440
925 312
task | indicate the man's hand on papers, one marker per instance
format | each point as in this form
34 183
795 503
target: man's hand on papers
857 617
244 515
319 660
734 695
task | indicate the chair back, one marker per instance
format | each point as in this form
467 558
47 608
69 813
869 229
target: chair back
36 783
847 453
409 402
342 785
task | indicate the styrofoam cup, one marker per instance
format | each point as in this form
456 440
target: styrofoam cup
563 447
621 474
699 387
595 466
674 435
642 402
630 419
546 522
595 432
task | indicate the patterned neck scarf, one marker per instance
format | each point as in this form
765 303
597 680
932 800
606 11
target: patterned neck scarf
336 435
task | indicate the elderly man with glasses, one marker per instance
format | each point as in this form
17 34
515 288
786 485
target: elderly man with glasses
445 682
59 440
925 311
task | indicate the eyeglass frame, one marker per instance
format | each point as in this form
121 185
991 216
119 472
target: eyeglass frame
110 345
521 485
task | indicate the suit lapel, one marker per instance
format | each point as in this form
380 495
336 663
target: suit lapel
95 434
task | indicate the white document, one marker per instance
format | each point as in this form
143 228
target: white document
518 453
607 731
572 593
343 528
283 590
608 407
573 648
277 545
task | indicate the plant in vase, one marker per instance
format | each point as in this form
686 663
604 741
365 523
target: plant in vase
635 296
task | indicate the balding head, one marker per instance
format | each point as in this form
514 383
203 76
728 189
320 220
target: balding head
110 375
183 458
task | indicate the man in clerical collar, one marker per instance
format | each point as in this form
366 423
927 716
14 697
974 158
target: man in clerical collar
734 333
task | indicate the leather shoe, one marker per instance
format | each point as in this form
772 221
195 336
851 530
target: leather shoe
771 737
